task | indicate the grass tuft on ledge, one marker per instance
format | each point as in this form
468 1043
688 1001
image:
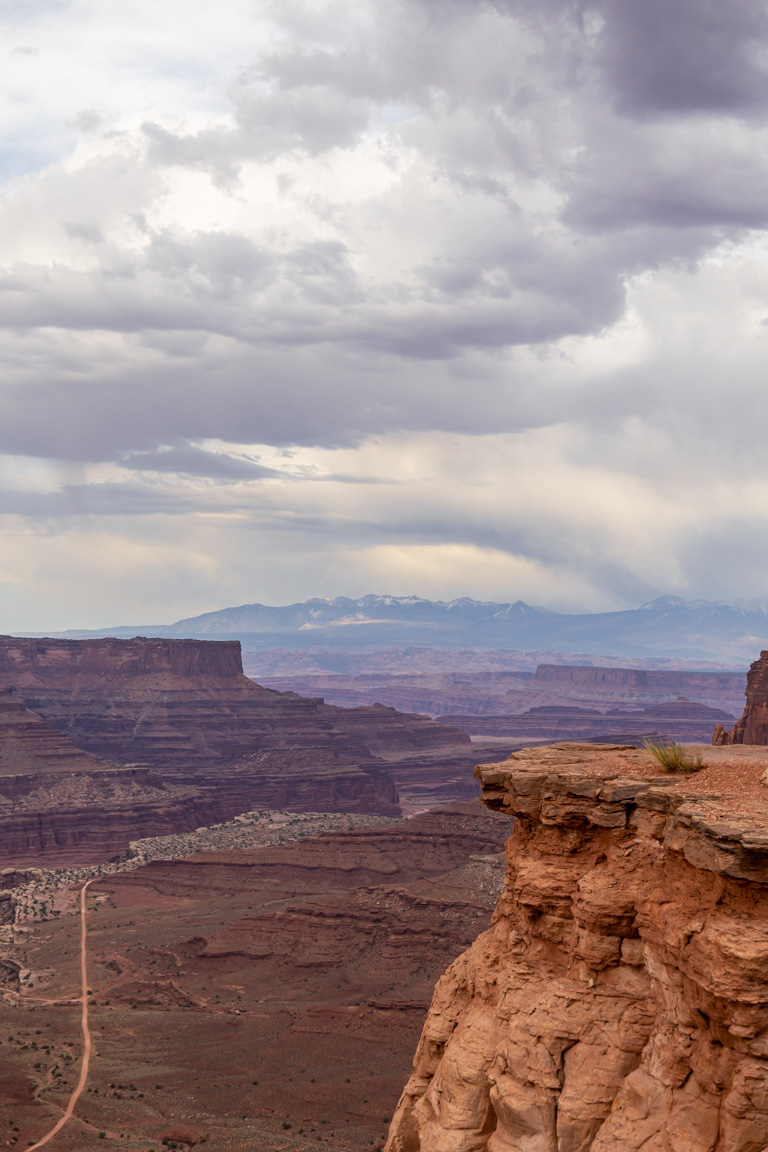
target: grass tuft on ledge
673 757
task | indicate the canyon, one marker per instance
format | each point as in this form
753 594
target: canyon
480 684
618 1002
61 805
181 703
181 737
264 997
262 982
680 720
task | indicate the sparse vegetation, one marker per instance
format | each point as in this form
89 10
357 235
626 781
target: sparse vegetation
673 757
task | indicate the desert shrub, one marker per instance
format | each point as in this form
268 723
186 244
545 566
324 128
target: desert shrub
673 757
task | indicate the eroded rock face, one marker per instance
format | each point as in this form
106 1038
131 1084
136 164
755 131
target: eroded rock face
61 805
752 727
620 1000
28 744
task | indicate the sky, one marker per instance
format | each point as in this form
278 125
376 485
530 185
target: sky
443 298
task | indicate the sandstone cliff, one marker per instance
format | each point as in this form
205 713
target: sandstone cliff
620 1000
752 727
28 744
640 685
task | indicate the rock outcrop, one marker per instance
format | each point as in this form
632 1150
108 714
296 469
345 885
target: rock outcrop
620 1000
752 727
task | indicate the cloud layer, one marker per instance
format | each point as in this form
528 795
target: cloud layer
451 298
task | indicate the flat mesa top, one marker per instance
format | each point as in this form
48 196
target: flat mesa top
732 774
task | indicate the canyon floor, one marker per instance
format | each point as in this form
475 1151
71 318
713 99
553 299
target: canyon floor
266 993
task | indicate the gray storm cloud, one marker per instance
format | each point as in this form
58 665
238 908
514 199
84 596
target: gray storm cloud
345 230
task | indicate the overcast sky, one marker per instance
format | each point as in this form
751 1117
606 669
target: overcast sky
438 297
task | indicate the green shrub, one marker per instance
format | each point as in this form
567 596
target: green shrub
673 757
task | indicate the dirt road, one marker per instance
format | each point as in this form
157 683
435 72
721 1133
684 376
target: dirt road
86 1030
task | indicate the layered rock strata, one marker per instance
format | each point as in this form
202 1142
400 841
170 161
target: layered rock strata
61 805
406 681
185 707
752 726
678 720
28 744
177 703
620 1000
639 686
85 817
298 780
426 846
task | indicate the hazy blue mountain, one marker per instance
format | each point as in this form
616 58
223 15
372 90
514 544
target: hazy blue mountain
668 626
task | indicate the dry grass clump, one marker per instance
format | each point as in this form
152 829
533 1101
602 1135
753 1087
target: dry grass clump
673 757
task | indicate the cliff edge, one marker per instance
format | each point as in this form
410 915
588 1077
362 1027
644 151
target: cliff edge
752 727
620 1000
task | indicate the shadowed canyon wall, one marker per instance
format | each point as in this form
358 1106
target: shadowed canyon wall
61 805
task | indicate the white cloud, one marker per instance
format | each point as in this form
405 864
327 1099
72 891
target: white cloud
494 277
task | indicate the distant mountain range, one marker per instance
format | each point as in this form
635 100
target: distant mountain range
665 627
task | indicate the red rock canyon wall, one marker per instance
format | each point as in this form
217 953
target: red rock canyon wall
620 1000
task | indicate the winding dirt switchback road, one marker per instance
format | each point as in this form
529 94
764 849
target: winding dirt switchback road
67 1114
